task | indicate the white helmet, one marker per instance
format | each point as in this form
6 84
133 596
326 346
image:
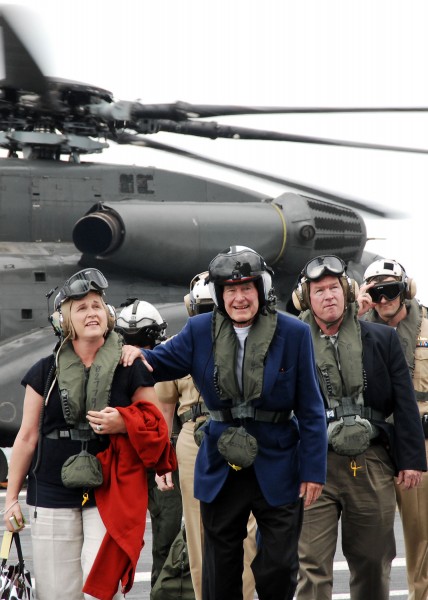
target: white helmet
386 268
199 299
141 324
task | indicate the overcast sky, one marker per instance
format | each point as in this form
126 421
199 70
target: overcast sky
276 52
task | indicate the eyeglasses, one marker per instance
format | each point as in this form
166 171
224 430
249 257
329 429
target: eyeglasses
390 291
80 284
323 265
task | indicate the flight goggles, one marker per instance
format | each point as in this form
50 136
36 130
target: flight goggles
80 284
323 265
390 290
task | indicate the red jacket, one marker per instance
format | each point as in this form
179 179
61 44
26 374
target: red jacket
122 498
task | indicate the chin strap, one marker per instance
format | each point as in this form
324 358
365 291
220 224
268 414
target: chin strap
329 323
242 323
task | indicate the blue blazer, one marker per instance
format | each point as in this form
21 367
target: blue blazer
289 453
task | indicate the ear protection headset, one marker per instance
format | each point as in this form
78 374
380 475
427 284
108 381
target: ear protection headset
337 268
56 319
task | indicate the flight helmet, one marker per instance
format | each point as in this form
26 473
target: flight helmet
379 270
236 265
141 324
199 299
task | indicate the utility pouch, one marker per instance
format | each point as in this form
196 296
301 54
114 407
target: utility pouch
238 447
82 470
198 430
350 435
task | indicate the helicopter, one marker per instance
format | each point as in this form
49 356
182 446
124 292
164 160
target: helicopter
61 213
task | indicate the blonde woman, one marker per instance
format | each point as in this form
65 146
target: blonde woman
81 401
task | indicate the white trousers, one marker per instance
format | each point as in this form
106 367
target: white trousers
65 543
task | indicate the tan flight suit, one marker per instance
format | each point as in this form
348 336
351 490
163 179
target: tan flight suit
413 504
183 391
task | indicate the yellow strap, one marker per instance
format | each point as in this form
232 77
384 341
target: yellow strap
5 545
284 232
234 467
354 467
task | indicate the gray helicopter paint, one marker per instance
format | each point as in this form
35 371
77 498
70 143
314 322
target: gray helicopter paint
43 201
287 232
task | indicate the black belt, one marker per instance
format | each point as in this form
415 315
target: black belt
244 411
197 410
365 412
79 435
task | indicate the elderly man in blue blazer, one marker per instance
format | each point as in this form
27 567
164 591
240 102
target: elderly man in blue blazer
264 445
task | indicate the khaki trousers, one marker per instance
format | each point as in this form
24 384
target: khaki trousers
365 505
413 507
65 543
186 455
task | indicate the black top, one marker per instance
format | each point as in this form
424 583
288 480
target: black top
45 488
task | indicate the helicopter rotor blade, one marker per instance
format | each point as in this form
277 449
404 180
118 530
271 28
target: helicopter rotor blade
214 130
182 111
213 110
368 207
24 77
22 71
144 119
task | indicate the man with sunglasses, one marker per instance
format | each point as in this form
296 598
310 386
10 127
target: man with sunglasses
364 379
388 297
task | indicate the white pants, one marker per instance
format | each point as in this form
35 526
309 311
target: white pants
65 543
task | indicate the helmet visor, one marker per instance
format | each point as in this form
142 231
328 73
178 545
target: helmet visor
80 284
324 265
389 291
229 268
149 335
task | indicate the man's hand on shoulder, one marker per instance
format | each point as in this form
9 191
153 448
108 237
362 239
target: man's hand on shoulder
131 353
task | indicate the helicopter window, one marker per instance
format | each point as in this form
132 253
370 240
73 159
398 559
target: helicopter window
39 276
126 184
26 313
142 184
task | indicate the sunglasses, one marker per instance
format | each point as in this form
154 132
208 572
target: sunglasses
323 265
390 291
80 284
